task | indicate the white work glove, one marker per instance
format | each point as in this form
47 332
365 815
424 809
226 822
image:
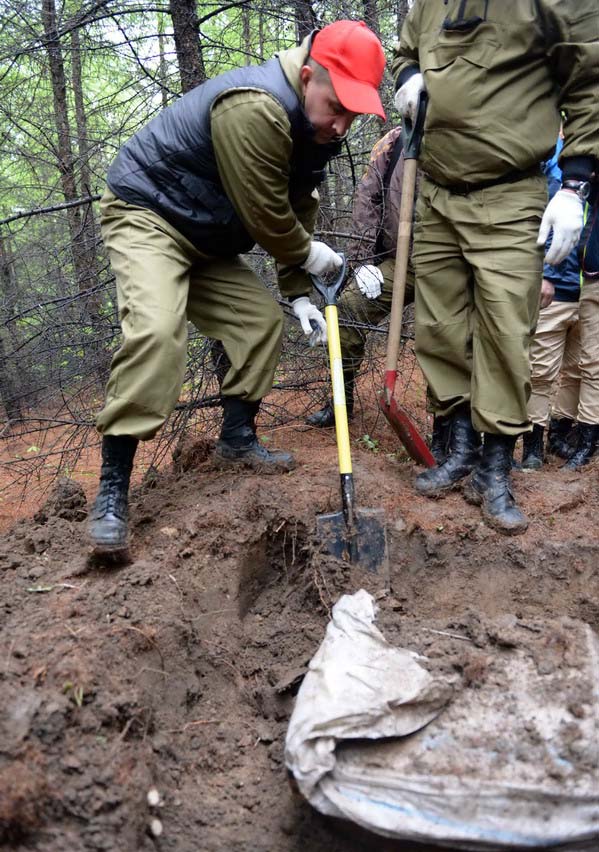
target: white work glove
306 311
321 259
564 214
406 97
370 281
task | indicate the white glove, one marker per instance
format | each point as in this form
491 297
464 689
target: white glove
564 214
306 311
321 259
406 97
370 281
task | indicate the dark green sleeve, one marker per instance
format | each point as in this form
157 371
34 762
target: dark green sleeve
574 58
252 144
293 281
405 60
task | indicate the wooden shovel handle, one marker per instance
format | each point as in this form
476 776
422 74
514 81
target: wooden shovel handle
402 255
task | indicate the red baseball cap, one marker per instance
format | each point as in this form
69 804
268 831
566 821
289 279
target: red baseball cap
354 58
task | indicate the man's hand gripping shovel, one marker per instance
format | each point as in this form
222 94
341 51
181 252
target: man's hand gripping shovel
396 415
357 536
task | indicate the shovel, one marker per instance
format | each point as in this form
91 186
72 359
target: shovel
357 536
397 416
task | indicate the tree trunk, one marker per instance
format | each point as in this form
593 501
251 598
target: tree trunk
162 67
261 35
187 43
88 225
371 15
305 18
64 150
9 370
246 32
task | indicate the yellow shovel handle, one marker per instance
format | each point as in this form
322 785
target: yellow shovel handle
340 408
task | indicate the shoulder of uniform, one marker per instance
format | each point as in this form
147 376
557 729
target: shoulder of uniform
248 101
384 144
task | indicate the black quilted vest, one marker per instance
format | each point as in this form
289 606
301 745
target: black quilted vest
170 166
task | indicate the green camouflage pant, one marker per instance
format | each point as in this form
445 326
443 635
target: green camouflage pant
356 308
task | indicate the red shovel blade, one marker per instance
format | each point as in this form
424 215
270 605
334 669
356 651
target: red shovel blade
404 428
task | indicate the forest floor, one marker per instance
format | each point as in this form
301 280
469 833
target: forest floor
178 670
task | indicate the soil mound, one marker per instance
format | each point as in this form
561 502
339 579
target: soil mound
177 672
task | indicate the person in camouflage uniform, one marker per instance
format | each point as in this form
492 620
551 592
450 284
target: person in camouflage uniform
367 299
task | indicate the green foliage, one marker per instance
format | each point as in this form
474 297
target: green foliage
371 444
59 329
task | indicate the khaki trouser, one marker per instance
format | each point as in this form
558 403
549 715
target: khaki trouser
162 282
568 337
355 307
588 363
555 347
478 280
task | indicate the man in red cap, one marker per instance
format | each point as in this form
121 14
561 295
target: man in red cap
232 163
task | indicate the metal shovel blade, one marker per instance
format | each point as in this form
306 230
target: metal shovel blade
406 431
364 544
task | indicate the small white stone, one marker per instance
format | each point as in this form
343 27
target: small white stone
153 797
170 532
156 827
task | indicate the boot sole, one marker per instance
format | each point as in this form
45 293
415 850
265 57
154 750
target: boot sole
475 499
439 493
113 554
269 469
491 521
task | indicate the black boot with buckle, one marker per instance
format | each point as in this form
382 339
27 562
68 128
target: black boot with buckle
108 518
325 417
489 486
586 446
464 453
532 448
238 444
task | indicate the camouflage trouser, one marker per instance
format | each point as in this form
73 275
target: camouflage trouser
162 282
478 281
356 308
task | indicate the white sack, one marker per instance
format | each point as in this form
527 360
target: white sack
501 767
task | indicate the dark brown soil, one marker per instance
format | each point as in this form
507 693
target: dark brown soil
178 670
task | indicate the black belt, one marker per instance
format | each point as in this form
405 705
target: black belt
511 177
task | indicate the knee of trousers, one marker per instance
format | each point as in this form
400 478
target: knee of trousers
352 343
447 339
161 338
155 348
273 326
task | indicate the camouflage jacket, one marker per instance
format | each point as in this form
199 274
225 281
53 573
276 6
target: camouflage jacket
375 212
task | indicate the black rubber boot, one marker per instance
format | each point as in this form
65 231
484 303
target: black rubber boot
490 486
557 437
440 438
532 448
108 518
238 444
325 417
464 453
586 447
